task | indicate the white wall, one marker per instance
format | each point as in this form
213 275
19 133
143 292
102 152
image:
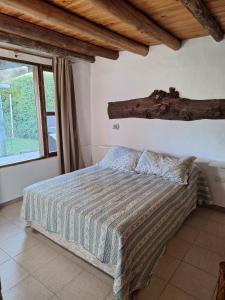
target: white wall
197 70
14 179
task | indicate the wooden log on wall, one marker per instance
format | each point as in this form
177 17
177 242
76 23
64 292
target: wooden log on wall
126 13
42 47
48 15
202 14
24 29
167 106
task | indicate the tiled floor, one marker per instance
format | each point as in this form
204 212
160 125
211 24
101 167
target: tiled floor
34 268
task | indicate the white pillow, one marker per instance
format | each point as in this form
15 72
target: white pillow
169 167
120 158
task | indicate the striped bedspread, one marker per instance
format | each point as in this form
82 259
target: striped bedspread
124 219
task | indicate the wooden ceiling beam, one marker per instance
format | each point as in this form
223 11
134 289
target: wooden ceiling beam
203 15
125 12
40 46
24 29
48 14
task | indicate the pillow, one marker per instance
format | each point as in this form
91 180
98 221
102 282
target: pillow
169 167
120 158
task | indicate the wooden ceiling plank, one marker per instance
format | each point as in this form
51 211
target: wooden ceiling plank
40 46
24 29
125 12
203 15
54 16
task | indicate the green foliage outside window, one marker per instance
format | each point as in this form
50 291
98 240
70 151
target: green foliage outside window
24 109
49 91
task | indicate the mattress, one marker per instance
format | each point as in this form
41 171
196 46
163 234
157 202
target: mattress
122 219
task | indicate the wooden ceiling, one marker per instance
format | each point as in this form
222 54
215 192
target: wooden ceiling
88 28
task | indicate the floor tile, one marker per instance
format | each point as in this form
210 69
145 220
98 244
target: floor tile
11 274
173 293
34 258
215 228
203 213
12 211
3 220
57 273
166 267
194 281
55 298
211 242
7 230
217 216
178 248
215 294
187 233
196 222
3 257
99 274
48 242
28 289
79 261
153 291
85 286
89 268
110 297
18 243
204 259
19 223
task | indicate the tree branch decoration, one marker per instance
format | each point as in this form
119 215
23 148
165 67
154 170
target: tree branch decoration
167 106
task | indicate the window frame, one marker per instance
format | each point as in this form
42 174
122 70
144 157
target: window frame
43 139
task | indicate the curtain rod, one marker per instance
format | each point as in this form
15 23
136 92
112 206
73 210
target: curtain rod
24 52
73 60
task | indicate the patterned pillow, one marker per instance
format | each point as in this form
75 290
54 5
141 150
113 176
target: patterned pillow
120 158
169 167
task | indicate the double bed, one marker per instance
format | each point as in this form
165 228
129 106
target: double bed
118 221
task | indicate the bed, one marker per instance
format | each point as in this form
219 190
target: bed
118 221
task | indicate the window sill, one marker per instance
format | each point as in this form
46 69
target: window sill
27 161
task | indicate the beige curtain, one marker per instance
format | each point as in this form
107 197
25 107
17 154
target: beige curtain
66 117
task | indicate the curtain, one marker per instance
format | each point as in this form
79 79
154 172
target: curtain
68 147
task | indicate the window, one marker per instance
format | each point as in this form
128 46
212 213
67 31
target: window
50 110
27 113
49 122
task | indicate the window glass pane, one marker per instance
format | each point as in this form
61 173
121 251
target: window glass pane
51 123
49 91
19 134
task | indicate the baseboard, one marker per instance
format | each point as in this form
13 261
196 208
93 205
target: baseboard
216 207
10 202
